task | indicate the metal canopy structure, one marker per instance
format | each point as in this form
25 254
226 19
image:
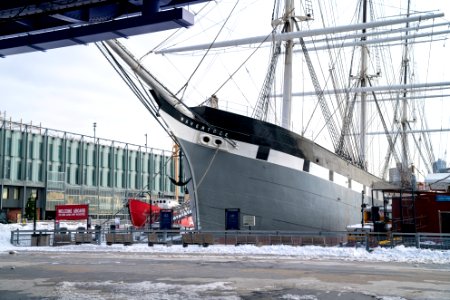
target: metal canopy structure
40 25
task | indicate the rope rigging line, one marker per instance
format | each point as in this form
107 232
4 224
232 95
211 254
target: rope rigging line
389 138
330 76
207 168
427 164
129 81
427 136
170 36
262 104
184 87
150 105
346 110
439 180
260 109
243 63
131 84
328 116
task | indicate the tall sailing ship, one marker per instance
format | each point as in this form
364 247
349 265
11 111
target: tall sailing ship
257 165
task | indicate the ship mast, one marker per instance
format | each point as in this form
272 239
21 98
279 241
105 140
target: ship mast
404 120
287 83
363 81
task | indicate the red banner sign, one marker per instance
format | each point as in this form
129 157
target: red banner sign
72 212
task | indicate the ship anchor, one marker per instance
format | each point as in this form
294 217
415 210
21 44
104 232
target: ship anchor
179 183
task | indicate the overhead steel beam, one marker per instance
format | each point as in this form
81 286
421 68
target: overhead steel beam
93 33
40 25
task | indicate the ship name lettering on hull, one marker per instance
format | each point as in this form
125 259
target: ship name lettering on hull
203 127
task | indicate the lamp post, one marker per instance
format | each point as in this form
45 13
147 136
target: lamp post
363 205
145 143
149 217
35 213
97 170
88 221
151 212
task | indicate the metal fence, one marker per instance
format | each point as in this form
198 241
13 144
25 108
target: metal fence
235 238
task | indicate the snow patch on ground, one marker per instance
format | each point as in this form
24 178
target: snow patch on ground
397 254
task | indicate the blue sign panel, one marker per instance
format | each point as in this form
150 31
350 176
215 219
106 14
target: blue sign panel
232 219
165 219
443 198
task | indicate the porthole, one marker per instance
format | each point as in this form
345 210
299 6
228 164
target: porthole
205 139
218 142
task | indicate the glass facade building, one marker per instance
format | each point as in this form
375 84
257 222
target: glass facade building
57 167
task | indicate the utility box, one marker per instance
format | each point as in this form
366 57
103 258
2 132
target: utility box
119 238
61 239
81 238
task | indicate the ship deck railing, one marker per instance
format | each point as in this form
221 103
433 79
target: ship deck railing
130 236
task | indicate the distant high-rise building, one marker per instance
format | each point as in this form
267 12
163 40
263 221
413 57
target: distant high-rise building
440 166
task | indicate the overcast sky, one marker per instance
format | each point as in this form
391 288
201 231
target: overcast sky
71 88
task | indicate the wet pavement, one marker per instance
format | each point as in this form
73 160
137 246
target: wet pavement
129 275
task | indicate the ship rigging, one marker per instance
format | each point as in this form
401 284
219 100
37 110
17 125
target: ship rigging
339 94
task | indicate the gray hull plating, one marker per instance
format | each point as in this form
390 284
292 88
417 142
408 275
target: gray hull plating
280 198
